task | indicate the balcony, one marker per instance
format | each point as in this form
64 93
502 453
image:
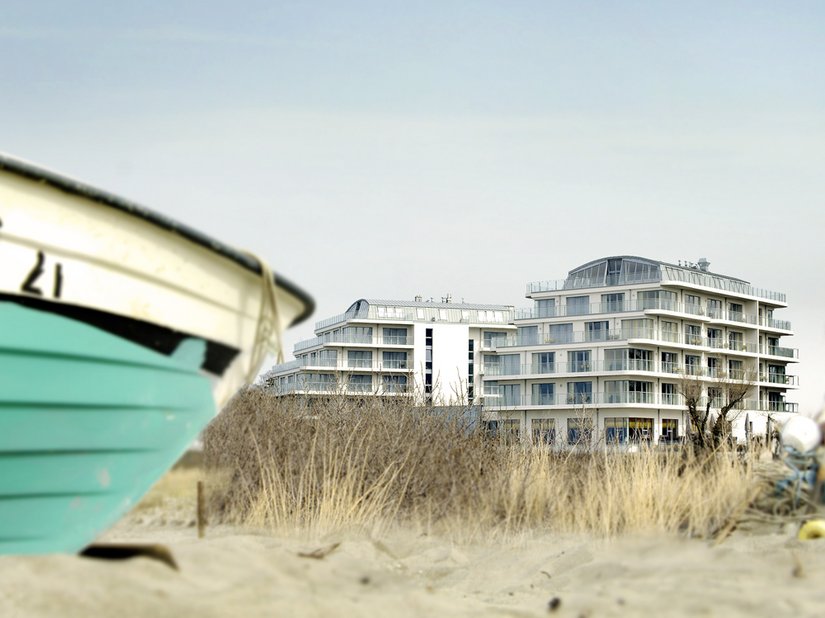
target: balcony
778 351
627 365
775 324
779 378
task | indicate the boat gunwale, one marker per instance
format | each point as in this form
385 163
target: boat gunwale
105 198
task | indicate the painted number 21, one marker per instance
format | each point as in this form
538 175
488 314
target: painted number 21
30 284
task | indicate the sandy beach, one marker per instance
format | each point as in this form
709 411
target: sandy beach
238 572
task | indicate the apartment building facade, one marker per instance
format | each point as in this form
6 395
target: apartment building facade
424 350
603 354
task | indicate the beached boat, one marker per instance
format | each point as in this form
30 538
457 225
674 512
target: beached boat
121 333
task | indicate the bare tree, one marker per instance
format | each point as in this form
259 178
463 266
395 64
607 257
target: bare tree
722 390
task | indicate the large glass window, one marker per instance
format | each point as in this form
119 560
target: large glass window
640 429
715 339
528 335
669 395
615 430
670 331
559 333
492 338
395 336
736 341
360 383
639 328
735 312
510 430
511 394
579 430
509 364
544 362
656 299
596 331
670 430
578 305
693 334
693 365
357 334
670 362
395 383
578 361
714 308
545 308
693 304
543 430
579 392
359 358
544 394
395 360
612 303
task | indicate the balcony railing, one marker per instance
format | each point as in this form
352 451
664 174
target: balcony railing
628 365
779 378
778 324
352 339
777 351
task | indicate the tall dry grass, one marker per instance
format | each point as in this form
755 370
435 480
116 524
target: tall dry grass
378 464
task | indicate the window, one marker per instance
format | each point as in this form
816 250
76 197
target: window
578 361
615 430
543 394
528 335
509 364
543 430
544 362
693 304
395 360
639 328
545 308
357 334
736 369
692 365
735 312
359 383
578 305
713 367
776 373
715 397
579 392
714 308
579 430
656 299
693 334
559 333
395 336
670 430
612 303
510 394
510 430
670 331
670 362
640 429
715 339
491 338
736 341
359 358
633 359
596 331
327 358
395 384
669 394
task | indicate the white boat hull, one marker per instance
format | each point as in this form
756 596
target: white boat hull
72 250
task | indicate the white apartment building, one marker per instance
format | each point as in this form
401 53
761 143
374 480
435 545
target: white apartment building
422 349
601 353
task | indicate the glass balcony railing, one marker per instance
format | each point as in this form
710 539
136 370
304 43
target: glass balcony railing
778 351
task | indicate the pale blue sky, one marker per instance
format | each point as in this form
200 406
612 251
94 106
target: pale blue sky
389 149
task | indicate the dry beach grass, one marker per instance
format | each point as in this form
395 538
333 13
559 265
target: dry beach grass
376 465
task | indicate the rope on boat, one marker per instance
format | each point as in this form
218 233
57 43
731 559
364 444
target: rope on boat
268 334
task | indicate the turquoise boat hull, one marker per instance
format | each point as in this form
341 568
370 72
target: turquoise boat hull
88 422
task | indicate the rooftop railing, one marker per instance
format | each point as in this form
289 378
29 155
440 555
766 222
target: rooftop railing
669 274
